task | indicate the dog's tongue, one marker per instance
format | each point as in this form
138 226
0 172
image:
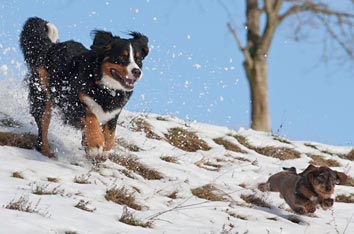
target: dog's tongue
127 82
115 74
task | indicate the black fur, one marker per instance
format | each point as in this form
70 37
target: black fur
74 70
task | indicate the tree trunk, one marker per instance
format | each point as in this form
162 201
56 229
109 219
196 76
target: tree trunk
256 64
257 77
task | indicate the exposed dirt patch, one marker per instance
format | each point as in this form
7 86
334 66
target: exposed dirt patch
173 195
169 159
345 198
131 163
208 165
350 155
282 153
7 121
17 174
228 145
253 199
129 146
25 140
281 139
318 160
52 179
129 218
122 196
140 125
210 192
185 140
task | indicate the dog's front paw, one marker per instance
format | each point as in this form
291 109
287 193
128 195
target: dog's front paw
311 208
300 210
97 154
327 203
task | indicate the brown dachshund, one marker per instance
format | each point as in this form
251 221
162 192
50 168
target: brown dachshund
304 191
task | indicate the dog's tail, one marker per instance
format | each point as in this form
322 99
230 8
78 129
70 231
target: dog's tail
36 38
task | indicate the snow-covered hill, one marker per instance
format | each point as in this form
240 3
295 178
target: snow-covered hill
173 177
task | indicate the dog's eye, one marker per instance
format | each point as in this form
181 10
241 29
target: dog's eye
321 179
119 60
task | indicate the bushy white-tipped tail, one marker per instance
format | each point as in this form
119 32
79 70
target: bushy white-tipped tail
52 32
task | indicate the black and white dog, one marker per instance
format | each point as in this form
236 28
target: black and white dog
90 87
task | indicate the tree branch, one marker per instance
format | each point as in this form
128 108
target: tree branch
277 5
308 5
268 6
335 36
292 10
323 9
239 44
271 9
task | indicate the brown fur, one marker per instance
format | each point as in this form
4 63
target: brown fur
43 80
108 137
304 191
92 134
59 73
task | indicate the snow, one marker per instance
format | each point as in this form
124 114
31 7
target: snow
4 69
57 213
197 66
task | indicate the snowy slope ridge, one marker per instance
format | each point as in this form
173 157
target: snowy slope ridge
172 176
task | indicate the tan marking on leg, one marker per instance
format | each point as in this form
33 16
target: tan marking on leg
82 97
45 126
93 137
44 82
43 79
108 137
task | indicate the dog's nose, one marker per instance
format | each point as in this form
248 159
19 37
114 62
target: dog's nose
328 188
136 72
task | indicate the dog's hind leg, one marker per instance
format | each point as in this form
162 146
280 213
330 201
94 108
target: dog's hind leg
41 107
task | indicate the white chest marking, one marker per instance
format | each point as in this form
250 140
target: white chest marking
314 199
102 116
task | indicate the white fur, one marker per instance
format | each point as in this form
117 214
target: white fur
111 83
314 199
102 116
95 151
52 32
132 64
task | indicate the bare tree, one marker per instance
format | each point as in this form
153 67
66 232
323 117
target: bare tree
337 24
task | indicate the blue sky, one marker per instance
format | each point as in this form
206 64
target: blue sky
194 69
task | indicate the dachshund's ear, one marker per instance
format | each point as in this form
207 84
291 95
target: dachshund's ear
142 40
102 40
309 169
341 178
291 169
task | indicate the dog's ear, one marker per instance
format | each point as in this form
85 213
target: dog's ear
102 41
142 40
308 170
291 169
341 178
